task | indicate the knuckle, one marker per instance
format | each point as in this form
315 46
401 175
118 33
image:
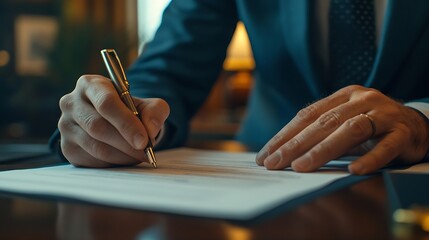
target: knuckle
371 96
348 90
307 114
356 128
84 80
92 82
292 145
328 121
64 125
98 150
353 88
327 149
93 123
104 101
66 103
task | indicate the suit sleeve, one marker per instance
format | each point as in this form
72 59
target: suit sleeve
184 59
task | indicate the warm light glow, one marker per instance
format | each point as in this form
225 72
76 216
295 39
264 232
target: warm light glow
232 146
239 54
235 232
75 11
4 58
425 223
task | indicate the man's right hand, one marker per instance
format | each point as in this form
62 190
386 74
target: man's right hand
98 130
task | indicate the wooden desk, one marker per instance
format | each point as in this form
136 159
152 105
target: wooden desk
359 211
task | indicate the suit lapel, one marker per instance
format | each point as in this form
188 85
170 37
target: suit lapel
403 23
298 27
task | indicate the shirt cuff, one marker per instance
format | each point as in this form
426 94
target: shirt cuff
421 107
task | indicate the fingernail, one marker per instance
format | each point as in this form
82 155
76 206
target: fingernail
261 156
138 141
272 160
356 168
300 165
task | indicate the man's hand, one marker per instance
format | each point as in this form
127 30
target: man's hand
335 126
98 130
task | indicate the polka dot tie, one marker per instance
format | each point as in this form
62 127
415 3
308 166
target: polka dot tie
351 41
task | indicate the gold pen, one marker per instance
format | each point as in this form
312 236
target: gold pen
117 75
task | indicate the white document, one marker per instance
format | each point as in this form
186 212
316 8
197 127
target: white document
422 168
190 182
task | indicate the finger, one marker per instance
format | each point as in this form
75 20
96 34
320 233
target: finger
154 112
103 96
304 118
82 112
363 148
315 133
99 150
384 152
100 129
80 158
353 132
71 151
106 153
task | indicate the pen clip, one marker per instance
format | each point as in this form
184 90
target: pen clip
115 69
118 78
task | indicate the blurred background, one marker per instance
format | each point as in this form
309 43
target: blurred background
45 45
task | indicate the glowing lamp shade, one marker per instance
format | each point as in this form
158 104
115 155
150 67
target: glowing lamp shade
239 54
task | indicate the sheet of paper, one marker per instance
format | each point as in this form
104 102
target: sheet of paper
417 168
187 181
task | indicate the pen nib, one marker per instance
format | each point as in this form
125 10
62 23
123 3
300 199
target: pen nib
151 156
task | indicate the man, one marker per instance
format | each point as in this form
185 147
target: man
366 54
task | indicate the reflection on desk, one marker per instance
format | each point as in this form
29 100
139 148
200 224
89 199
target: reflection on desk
359 211
356 212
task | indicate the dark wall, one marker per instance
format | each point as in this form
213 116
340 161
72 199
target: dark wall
29 95
28 101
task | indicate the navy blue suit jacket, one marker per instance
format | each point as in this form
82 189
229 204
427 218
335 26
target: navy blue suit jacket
182 62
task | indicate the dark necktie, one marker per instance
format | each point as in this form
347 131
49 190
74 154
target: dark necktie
351 41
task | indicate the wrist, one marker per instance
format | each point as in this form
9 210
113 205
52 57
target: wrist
425 123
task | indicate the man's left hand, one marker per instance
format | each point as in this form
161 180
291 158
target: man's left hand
353 120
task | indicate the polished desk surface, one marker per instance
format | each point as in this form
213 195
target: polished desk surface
358 211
